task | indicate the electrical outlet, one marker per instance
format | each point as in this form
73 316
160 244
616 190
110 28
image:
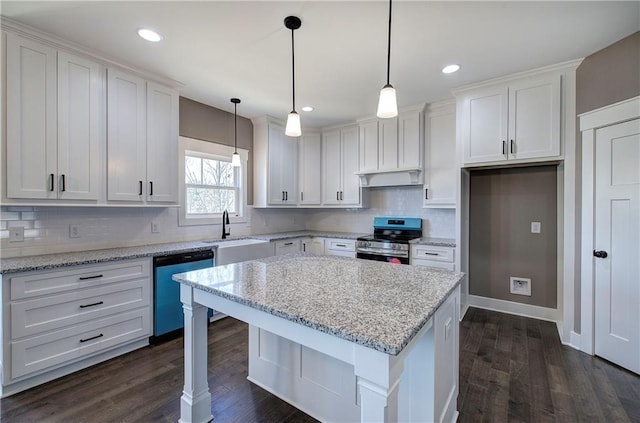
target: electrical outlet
74 231
535 227
16 234
155 227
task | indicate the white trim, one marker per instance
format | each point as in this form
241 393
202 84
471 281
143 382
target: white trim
589 122
211 149
611 114
518 309
574 341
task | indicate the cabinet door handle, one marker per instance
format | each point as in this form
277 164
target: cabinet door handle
600 254
51 177
511 149
62 184
302 196
426 193
286 196
338 195
93 337
304 247
341 195
139 187
91 305
282 195
150 187
504 148
85 278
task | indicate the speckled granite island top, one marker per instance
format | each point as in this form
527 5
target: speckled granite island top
378 305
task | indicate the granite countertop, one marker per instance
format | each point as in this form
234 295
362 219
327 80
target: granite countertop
375 304
301 234
438 242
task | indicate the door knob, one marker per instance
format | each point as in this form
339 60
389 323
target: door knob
600 254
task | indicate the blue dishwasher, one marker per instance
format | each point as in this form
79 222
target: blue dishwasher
168 319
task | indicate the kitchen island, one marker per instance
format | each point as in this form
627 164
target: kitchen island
342 339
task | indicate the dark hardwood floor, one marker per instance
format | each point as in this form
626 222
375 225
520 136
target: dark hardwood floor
511 369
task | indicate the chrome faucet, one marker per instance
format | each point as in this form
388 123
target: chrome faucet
225 221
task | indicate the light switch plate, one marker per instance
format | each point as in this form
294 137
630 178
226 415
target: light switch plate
535 227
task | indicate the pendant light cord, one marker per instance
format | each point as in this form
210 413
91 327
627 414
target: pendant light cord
235 127
389 46
293 71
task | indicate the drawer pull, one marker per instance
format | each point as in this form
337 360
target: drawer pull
84 278
431 254
341 245
288 243
93 337
91 305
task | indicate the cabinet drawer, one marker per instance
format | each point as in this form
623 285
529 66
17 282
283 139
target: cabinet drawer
438 264
432 253
45 283
341 245
56 348
32 316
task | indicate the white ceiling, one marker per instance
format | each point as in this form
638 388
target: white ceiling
220 50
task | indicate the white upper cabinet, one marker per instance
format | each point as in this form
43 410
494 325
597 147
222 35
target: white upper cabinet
391 150
310 169
142 140
368 145
388 144
409 139
126 136
54 109
515 121
162 143
340 161
275 159
440 169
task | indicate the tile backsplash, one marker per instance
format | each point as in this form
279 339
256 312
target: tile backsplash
47 229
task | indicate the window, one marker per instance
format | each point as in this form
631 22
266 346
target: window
212 185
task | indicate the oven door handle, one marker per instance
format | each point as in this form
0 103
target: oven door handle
379 253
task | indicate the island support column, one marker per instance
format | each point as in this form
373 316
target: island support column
378 375
195 403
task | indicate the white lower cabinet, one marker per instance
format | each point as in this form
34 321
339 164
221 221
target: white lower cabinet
340 247
56 322
286 246
433 256
313 245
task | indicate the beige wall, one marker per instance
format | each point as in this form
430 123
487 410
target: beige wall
609 75
207 123
502 205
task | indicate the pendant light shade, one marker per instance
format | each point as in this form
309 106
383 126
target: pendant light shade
293 125
235 159
387 105
293 128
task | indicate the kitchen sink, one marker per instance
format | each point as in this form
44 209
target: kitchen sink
238 250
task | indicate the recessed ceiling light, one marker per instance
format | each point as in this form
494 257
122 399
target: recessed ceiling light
149 35
307 109
451 69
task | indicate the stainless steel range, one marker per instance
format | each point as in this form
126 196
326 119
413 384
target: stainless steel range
390 239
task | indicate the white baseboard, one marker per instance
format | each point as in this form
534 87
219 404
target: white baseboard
574 340
518 309
465 307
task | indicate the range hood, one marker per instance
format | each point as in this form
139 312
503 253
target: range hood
389 178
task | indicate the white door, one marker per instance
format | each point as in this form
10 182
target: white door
617 233
485 126
310 169
276 146
331 167
350 192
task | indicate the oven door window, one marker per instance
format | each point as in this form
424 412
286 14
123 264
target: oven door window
388 259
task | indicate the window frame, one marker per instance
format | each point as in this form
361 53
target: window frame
211 150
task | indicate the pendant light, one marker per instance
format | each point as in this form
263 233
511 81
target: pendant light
387 105
235 159
293 120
